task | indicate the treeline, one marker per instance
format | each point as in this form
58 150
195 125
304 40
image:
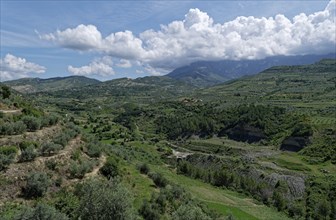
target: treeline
312 204
240 123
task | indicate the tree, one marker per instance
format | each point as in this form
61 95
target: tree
41 212
37 185
110 168
5 92
104 200
190 211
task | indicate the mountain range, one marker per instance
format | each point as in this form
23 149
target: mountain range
196 75
208 73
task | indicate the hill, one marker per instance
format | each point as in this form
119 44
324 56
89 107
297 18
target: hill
33 85
208 73
305 87
146 89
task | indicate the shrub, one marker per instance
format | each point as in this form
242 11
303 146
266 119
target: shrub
32 123
94 149
28 154
148 212
110 168
143 168
50 148
102 199
8 150
5 160
190 211
41 212
80 168
37 185
19 127
51 164
158 179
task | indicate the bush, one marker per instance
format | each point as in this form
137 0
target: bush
143 168
41 212
190 211
37 185
110 168
28 154
80 168
7 155
94 149
5 160
102 199
50 148
51 164
8 150
148 212
32 123
158 179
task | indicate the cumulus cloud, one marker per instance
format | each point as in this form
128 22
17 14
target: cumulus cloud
124 64
198 37
98 67
12 67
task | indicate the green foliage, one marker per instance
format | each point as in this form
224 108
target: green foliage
50 148
32 123
5 92
36 185
12 128
78 169
110 168
7 155
102 199
28 154
158 179
94 149
189 211
143 168
40 212
67 203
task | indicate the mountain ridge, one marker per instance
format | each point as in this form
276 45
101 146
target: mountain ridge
209 73
33 85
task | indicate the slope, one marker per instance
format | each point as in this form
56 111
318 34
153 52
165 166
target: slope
33 85
207 73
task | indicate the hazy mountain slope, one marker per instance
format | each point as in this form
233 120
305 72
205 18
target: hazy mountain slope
150 87
307 87
207 73
32 85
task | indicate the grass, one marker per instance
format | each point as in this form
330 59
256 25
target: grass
229 210
221 200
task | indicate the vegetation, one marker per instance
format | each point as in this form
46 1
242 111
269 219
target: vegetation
156 148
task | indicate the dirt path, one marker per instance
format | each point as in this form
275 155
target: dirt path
95 171
11 111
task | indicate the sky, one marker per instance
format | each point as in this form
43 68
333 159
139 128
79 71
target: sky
114 39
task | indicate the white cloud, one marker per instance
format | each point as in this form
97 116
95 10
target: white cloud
198 37
12 67
83 37
124 63
99 67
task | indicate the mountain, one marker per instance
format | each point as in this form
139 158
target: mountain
208 73
33 85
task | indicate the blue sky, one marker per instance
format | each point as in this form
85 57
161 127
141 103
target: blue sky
33 34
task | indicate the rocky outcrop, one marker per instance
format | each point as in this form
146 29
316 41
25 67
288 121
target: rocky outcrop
296 184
